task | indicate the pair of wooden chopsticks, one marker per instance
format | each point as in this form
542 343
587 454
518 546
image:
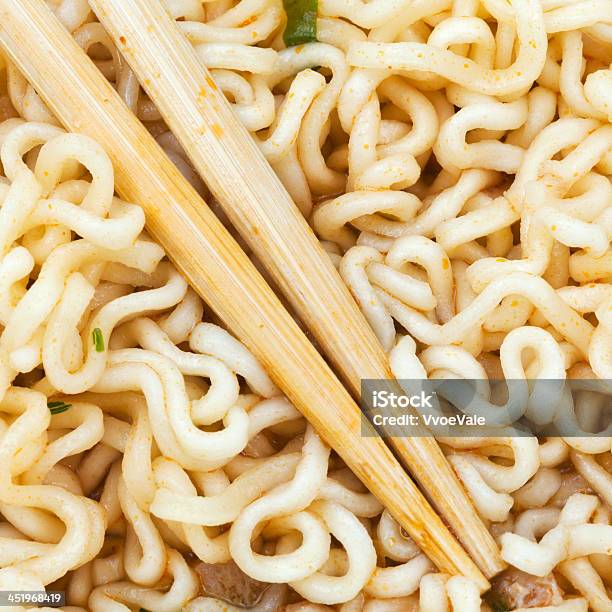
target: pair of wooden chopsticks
258 205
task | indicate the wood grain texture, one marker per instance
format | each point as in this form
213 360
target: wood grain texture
216 267
258 205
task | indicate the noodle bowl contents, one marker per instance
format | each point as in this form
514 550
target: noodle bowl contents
454 159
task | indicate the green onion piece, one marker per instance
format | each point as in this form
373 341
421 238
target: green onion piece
98 340
301 22
58 407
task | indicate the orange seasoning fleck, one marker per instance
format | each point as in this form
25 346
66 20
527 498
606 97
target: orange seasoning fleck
246 22
445 264
217 130
122 40
210 82
299 49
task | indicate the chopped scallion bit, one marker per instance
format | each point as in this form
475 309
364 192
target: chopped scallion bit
58 407
98 340
301 22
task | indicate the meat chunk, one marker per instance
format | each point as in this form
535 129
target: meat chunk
516 589
228 582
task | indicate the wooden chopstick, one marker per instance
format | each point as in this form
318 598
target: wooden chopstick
259 206
215 265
